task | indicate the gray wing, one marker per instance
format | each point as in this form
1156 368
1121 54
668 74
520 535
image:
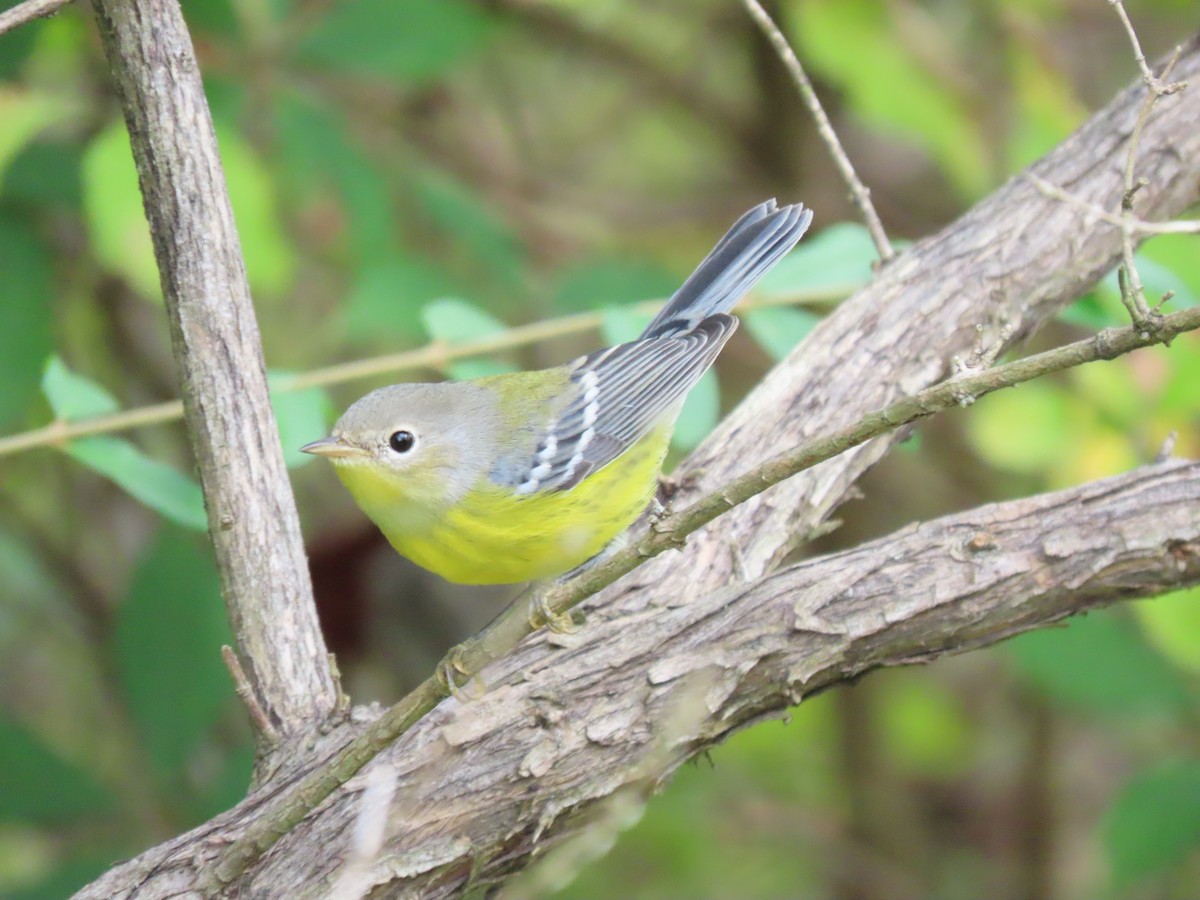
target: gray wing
618 396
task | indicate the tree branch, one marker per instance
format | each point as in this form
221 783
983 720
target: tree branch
1001 270
28 11
481 785
435 355
251 511
859 194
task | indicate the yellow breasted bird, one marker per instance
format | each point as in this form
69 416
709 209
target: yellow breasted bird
526 476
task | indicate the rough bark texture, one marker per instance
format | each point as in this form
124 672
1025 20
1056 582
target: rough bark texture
574 730
251 511
1015 259
673 658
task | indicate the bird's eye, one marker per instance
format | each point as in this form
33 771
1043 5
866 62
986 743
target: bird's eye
402 441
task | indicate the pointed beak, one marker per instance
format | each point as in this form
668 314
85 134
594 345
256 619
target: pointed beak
333 448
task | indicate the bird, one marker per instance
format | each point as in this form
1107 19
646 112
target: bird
528 476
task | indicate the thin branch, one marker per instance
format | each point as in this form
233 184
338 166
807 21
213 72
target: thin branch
28 11
252 517
245 692
859 193
434 355
1133 295
668 532
1136 225
1157 84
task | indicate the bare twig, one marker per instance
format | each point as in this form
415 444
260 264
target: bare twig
1136 225
671 531
1158 85
859 192
245 692
28 12
435 355
1133 295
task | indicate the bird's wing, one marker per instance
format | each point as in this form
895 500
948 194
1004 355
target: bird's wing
618 395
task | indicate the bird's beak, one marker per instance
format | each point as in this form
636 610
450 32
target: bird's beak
333 448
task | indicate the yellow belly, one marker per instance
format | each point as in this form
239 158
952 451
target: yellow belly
494 536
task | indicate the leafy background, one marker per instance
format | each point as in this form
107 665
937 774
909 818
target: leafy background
407 171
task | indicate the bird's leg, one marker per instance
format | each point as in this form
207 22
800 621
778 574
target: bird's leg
541 614
449 671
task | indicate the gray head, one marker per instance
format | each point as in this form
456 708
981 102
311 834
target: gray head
428 441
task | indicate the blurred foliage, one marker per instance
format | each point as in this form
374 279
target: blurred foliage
407 171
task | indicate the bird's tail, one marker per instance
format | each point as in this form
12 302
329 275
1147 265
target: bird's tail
757 241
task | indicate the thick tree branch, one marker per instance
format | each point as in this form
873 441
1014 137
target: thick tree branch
251 511
567 724
1006 267
668 532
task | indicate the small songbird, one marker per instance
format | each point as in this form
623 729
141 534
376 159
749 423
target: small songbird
526 476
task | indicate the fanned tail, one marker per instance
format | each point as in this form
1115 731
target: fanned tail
757 241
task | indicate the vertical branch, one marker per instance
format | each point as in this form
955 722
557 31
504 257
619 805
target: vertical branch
251 511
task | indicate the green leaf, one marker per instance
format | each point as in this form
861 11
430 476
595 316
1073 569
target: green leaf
924 725
72 396
38 786
455 321
778 329
600 283
885 85
117 224
24 114
620 325
25 297
1100 664
1023 430
318 152
45 174
838 258
700 413
469 225
301 416
112 209
409 40
1047 109
1095 310
270 259
216 16
147 480
1157 280
1177 254
1172 624
74 873
1154 822
387 298
169 633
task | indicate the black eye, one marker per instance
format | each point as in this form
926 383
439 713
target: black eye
402 441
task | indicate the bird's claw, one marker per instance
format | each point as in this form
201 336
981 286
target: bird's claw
541 614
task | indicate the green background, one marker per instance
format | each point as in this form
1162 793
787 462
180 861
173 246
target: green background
407 171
